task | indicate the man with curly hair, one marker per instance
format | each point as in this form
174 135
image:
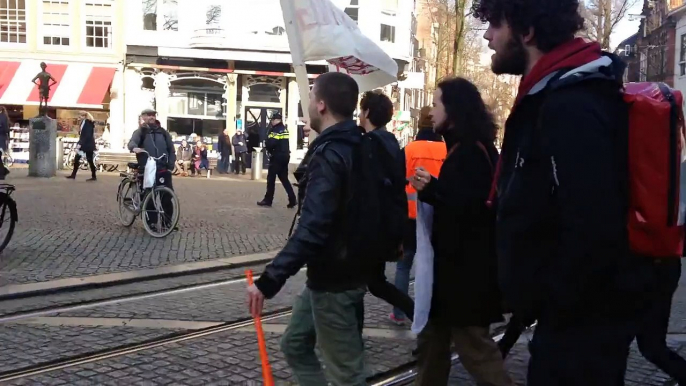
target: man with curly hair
562 195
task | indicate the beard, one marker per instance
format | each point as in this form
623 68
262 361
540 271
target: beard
511 60
315 122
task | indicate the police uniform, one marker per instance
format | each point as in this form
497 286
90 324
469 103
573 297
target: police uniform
278 148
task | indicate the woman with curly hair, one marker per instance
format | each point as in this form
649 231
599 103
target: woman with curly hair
561 194
465 299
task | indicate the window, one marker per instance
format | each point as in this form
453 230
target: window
56 22
353 10
682 56
389 7
13 21
160 15
387 33
98 16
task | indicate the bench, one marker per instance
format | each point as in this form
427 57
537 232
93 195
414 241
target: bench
211 161
109 157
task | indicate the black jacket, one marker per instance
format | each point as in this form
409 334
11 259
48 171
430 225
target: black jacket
156 141
224 145
463 237
237 139
4 131
319 240
562 203
277 141
87 136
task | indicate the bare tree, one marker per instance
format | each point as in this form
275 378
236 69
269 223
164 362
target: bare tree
214 14
602 17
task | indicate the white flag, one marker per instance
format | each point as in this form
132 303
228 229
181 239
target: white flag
319 30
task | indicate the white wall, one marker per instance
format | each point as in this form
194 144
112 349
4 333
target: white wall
239 18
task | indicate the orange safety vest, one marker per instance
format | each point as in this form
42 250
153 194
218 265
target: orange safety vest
427 154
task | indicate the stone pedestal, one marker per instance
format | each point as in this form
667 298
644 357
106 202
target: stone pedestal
42 147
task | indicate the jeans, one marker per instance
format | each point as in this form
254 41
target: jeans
330 321
402 278
224 163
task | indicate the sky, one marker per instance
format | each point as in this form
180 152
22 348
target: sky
626 27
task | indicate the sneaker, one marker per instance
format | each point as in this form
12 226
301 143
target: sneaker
265 204
70 177
396 321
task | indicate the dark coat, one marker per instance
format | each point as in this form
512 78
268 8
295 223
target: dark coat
319 240
87 136
562 205
465 263
237 139
224 146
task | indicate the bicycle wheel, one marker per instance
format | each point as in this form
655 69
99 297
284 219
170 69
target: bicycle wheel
8 213
156 219
83 165
126 197
8 161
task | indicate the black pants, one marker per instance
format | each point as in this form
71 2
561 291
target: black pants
164 178
382 289
592 351
77 162
652 336
278 167
514 330
239 163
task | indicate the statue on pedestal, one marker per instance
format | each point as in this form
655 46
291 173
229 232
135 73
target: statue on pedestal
44 81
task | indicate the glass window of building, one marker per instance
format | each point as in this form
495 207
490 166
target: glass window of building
13 21
389 7
213 15
55 22
387 33
160 15
353 10
98 20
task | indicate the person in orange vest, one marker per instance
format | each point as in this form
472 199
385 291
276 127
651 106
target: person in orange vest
428 151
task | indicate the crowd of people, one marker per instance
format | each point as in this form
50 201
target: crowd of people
538 231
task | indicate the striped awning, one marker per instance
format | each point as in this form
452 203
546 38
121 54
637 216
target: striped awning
79 85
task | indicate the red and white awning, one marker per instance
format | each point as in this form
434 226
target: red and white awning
79 85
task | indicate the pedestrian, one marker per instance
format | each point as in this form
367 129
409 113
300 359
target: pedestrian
240 147
327 314
562 195
4 140
278 148
86 145
428 151
466 299
200 160
152 140
225 152
184 154
376 111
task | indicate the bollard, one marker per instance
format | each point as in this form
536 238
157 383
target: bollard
256 167
42 147
60 154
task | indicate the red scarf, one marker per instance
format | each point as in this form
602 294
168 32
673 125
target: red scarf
572 54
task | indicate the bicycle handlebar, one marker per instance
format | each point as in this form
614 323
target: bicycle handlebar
154 158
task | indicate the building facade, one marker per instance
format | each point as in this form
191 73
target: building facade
678 12
656 42
210 65
80 41
627 50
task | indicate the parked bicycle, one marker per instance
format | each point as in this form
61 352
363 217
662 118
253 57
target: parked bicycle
158 206
8 214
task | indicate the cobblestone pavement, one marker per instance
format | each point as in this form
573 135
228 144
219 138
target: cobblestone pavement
69 228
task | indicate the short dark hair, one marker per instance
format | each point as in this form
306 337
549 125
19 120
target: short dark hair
554 21
466 111
339 92
379 106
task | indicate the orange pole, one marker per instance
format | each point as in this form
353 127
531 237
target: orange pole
264 358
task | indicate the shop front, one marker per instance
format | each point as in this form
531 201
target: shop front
80 86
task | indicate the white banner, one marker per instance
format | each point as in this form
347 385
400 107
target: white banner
319 30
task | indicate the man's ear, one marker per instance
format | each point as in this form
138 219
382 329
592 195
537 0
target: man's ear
528 39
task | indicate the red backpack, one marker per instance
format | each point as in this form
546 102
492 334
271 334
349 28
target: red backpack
656 143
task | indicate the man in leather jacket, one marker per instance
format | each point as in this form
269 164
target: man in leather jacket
328 311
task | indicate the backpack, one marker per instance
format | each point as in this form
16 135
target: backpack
376 210
656 155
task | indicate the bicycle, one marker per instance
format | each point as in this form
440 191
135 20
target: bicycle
8 205
134 200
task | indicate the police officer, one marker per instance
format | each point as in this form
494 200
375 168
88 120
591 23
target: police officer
279 152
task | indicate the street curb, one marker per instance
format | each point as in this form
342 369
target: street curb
52 287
